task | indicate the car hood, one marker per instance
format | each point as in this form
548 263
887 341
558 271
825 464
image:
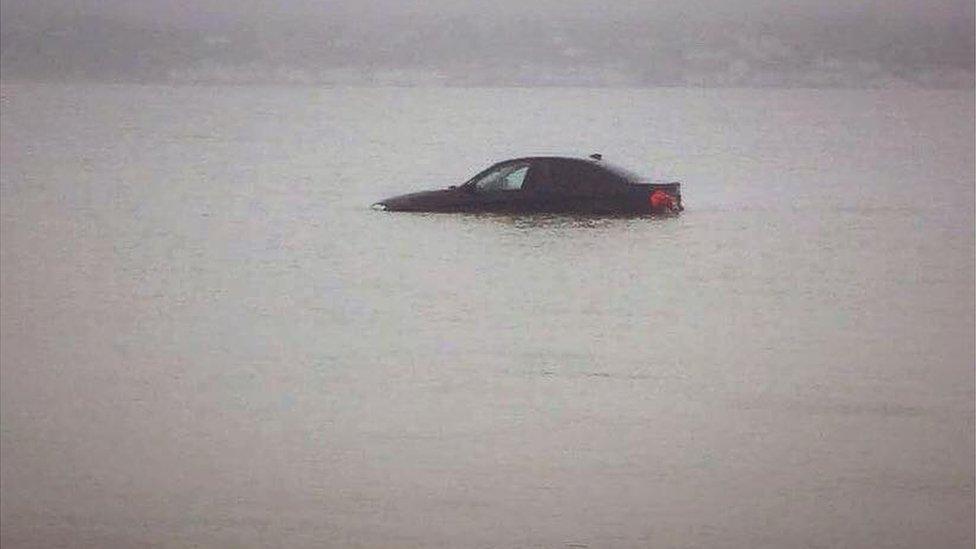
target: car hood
443 199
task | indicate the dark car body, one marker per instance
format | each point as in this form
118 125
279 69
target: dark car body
547 184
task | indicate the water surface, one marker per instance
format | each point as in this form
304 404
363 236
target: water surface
210 340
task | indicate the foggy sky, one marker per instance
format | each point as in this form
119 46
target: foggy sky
816 43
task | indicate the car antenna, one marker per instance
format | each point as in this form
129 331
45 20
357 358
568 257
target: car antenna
596 156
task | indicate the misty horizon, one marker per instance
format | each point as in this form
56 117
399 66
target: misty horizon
746 44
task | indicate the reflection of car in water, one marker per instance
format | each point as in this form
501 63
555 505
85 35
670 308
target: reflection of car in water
547 184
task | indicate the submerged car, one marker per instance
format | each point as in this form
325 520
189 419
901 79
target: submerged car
547 184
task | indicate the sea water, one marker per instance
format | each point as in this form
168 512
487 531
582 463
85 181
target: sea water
209 339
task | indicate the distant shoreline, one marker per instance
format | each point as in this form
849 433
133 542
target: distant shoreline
451 84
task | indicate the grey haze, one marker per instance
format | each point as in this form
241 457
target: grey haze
701 43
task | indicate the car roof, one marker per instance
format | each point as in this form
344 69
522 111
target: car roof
547 157
599 163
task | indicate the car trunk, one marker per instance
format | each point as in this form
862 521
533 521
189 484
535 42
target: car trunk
644 191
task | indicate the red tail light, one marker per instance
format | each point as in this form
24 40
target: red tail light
661 200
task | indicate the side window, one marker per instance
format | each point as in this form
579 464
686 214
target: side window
506 178
583 179
596 180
